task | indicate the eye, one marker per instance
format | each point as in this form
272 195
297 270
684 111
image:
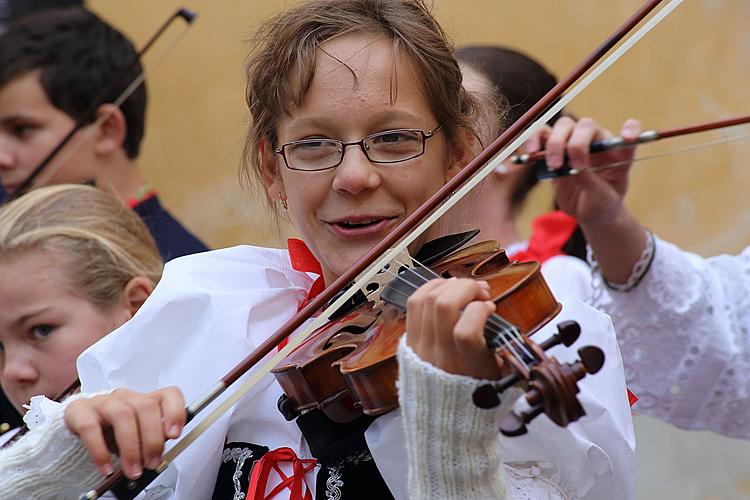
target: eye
41 332
395 138
23 130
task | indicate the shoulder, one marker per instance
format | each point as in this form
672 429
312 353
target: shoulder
208 310
172 238
569 277
241 266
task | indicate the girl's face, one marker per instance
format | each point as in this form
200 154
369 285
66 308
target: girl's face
343 212
44 326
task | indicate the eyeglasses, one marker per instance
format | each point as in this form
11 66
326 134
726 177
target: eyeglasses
389 146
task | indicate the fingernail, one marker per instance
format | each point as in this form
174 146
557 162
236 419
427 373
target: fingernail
174 431
554 160
135 471
107 469
154 463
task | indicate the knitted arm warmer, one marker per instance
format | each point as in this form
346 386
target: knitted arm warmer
452 445
48 462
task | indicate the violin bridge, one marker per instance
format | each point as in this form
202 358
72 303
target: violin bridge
374 288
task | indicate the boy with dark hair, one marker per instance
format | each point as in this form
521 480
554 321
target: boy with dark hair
52 66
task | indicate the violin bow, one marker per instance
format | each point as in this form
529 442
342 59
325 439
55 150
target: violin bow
643 137
384 252
86 118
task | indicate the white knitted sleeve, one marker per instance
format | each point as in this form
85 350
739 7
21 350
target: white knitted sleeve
48 462
452 445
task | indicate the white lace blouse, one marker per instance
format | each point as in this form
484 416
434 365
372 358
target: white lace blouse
683 333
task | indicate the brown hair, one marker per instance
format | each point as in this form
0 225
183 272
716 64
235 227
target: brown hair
516 82
282 65
103 243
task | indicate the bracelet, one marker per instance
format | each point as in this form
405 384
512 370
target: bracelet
640 268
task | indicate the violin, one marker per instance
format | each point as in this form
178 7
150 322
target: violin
348 367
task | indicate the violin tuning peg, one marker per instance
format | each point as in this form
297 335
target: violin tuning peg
567 333
485 396
513 424
592 358
286 406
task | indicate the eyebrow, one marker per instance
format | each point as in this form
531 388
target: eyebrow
9 120
378 118
26 317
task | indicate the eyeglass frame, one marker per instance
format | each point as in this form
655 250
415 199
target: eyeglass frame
281 150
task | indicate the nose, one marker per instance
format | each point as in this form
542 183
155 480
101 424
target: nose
7 158
17 372
356 173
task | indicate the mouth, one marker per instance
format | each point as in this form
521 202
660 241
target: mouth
357 226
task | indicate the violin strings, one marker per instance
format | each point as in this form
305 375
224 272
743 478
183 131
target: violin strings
509 333
505 327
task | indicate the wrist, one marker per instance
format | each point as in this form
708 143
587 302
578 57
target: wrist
617 245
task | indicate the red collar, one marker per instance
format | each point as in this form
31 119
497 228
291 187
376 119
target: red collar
304 261
549 232
140 198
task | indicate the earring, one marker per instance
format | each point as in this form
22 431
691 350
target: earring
284 204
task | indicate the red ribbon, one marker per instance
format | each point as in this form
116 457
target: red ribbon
296 483
304 261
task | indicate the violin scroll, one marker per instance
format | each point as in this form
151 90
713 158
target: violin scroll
550 386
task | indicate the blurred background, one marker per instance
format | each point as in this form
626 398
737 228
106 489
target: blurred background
694 67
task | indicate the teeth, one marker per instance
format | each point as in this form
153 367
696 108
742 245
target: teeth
359 223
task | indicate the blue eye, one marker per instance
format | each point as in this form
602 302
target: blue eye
42 331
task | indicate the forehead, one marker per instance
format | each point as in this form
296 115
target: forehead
25 96
32 276
362 73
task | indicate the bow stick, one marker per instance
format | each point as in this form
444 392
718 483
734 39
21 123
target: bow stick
411 228
643 137
102 98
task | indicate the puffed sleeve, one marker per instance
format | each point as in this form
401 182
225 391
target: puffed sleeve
683 333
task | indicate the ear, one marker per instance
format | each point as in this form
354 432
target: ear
111 134
136 292
461 153
269 172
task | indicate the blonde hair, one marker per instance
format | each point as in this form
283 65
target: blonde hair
281 68
103 243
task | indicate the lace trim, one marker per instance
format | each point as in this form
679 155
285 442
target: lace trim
640 268
41 410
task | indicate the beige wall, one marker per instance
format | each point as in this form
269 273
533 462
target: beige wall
695 67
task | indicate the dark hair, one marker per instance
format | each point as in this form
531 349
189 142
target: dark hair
78 56
519 82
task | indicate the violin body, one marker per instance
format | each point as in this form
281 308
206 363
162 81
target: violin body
348 367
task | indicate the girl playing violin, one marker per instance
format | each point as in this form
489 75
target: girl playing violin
357 117
75 264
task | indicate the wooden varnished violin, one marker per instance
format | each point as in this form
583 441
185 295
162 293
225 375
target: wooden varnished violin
348 367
